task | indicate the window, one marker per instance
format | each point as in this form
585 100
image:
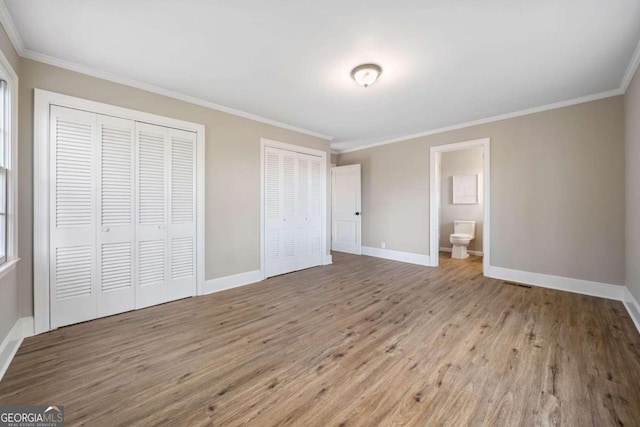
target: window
4 167
8 167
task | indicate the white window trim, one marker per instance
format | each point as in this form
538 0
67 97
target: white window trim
43 100
8 74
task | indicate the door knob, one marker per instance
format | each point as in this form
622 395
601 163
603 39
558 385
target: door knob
357 213
105 229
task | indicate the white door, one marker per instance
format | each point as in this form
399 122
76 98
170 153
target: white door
309 211
73 219
115 233
152 144
292 211
165 223
346 209
181 280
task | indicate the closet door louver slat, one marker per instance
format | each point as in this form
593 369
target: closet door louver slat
182 257
152 262
73 272
151 177
182 181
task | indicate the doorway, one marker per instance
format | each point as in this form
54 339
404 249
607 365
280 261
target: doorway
464 194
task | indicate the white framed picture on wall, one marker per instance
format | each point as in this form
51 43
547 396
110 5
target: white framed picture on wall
465 189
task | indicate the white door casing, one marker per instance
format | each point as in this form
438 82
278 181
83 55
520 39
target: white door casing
346 209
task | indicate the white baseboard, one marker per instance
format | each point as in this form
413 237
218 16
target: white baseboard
397 255
328 259
22 329
476 253
27 327
228 282
632 306
579 286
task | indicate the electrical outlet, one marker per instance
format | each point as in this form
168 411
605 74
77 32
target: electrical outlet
383 245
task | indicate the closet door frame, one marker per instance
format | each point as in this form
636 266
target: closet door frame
264 143
43 100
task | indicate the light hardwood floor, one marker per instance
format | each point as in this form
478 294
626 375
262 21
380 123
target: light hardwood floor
363 342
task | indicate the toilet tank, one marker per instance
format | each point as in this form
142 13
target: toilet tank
465 227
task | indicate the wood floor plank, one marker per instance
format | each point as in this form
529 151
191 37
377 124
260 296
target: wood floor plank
362 342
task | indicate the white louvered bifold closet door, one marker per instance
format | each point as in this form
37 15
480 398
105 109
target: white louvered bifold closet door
165 223
293 215
115 234
315 212
72 240
122 215
182 214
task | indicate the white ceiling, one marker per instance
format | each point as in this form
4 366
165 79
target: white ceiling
445 62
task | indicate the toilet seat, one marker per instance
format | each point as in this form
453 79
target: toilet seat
460 236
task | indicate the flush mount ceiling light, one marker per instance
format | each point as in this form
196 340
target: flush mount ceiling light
366 74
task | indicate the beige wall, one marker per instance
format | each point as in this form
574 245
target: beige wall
632 138
557 191
462 162
8 303
8 283
232 167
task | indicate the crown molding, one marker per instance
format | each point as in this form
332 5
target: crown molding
631 69
10 28
556 105
18 44
72 66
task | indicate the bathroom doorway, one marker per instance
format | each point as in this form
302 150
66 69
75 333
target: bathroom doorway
459 200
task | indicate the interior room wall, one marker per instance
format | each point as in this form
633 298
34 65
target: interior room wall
9 311
232 181
462 162
632 146
8 303
557 191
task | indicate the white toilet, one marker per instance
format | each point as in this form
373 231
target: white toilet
463 233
